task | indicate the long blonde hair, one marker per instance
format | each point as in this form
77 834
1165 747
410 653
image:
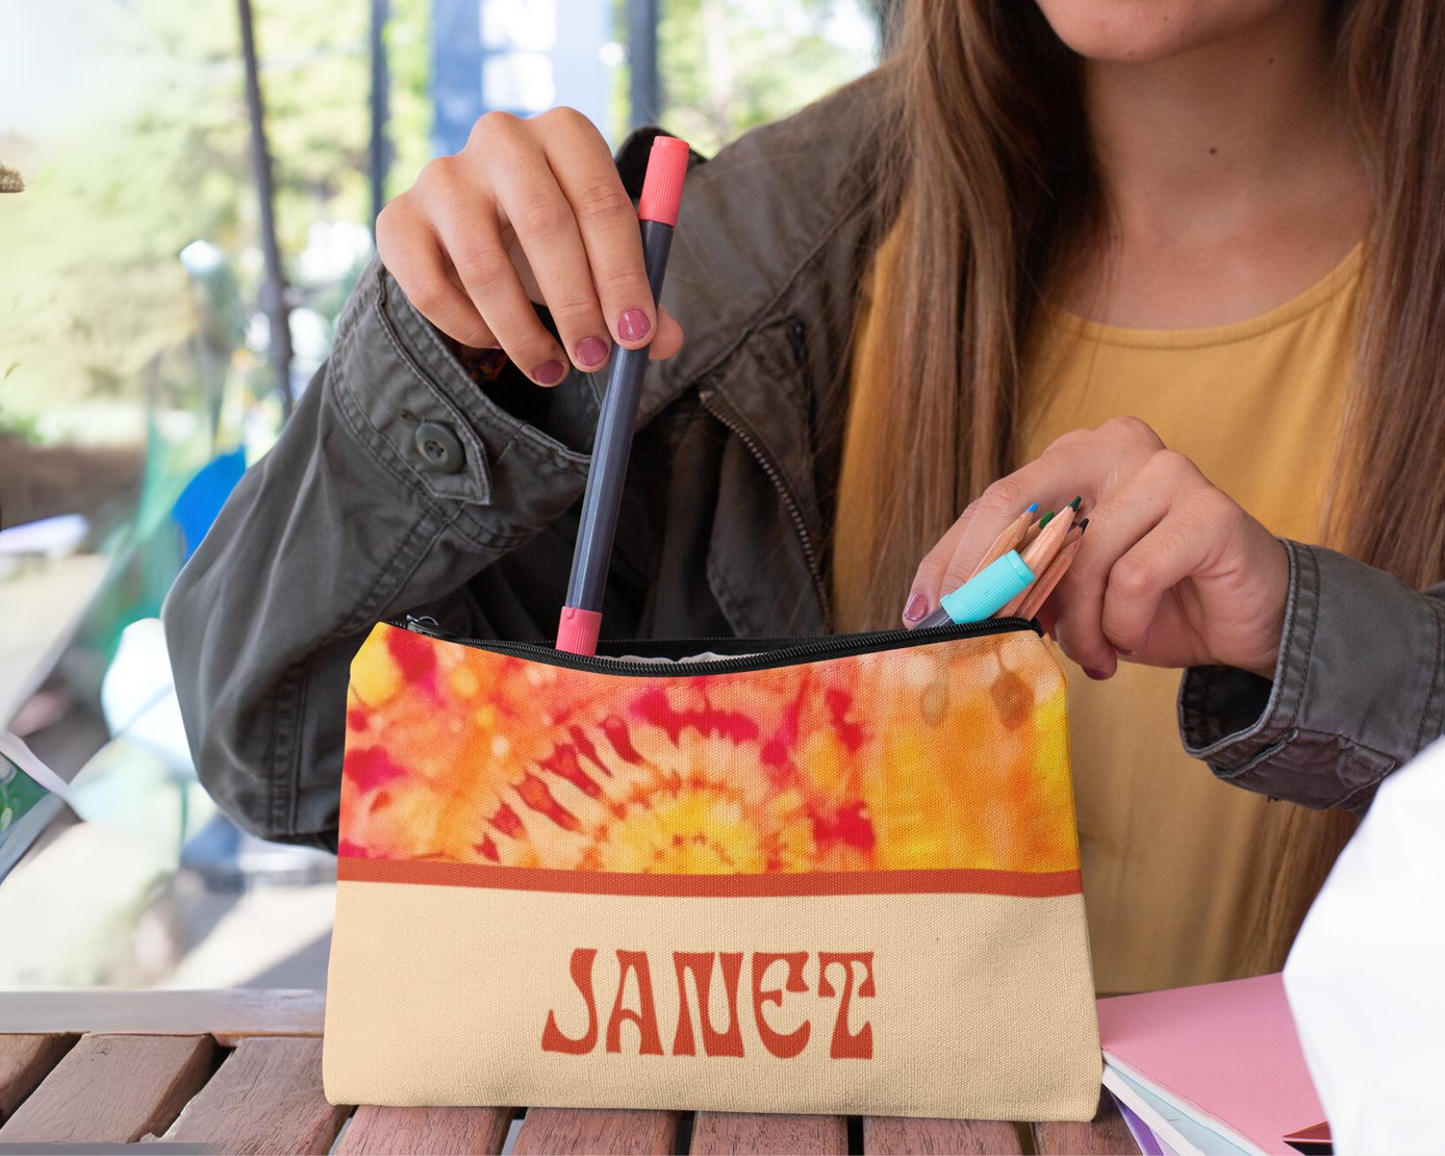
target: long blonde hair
995 187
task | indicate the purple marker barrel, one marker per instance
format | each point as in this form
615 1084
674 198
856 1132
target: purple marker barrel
657 211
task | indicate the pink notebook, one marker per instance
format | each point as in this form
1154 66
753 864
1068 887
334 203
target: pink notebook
1225 1053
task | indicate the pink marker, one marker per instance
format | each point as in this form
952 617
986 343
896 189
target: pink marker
657 210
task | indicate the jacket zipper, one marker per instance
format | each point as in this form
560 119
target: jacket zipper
790 503
773 652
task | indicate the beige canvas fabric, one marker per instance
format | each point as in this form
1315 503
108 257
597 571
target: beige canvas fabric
958 1005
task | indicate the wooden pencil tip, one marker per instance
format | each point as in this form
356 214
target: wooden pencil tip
1083 525
1074 505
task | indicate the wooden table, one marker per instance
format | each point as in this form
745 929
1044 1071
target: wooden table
240 1072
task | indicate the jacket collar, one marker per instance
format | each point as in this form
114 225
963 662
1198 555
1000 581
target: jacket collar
757 250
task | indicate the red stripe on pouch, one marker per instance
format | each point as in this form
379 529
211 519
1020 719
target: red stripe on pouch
933 881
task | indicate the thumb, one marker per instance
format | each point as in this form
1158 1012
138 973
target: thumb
669 336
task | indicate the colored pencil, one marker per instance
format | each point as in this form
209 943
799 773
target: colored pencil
1040 552
1037 594
1034 531
1040 556
1010 538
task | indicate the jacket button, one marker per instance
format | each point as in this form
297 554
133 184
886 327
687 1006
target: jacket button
439 447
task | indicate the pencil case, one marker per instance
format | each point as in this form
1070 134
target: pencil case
837 875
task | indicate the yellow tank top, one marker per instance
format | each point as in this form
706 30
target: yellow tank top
1176 863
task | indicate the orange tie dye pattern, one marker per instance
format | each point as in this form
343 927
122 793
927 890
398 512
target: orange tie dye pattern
949 755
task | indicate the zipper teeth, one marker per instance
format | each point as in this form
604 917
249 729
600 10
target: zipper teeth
836 646
789 502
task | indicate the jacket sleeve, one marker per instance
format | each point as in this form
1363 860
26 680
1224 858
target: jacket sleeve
1359 688
350 518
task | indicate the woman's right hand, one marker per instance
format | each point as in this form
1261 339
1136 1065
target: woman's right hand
529 211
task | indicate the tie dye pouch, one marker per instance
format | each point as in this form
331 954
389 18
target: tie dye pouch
833 876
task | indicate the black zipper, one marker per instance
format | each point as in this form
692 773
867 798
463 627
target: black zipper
790 503
765 653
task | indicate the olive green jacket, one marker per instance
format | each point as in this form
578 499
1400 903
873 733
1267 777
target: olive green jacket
725 518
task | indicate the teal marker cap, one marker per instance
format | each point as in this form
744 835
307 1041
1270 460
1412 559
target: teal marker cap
988 591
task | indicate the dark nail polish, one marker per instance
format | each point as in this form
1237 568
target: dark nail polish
1096 675
633 325
591 351
917 608
549 373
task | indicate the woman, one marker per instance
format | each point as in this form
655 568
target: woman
1182 258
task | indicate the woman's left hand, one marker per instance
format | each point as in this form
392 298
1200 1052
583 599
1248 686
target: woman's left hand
1172 572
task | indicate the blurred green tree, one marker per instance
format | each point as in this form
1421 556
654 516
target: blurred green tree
728 66
95 310
94 300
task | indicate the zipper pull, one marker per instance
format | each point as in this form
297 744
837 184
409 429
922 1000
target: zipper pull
422 623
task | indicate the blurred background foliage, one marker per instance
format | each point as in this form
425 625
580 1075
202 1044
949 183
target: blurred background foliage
730 65
95 308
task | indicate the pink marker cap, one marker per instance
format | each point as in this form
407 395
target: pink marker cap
662 186
578 629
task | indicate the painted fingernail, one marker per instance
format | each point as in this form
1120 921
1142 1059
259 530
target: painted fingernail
548 373
633 325
1096 675
591 351
916 609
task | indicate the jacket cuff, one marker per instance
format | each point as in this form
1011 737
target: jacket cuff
1357 689
497 476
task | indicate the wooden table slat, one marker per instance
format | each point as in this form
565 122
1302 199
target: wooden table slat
423 1131
25 1060
903 1136
1105 1135
266 1098
112 1090
598 1131
717 1133
228 1015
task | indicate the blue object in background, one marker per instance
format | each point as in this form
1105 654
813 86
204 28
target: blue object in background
456 73
522 57
196 509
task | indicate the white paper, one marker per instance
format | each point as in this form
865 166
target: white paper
1366 977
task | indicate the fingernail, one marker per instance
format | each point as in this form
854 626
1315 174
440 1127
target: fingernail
548 373
591 351
916 609
1096 675
633 325
1121 650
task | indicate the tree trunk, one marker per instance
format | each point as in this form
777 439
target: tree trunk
273 286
